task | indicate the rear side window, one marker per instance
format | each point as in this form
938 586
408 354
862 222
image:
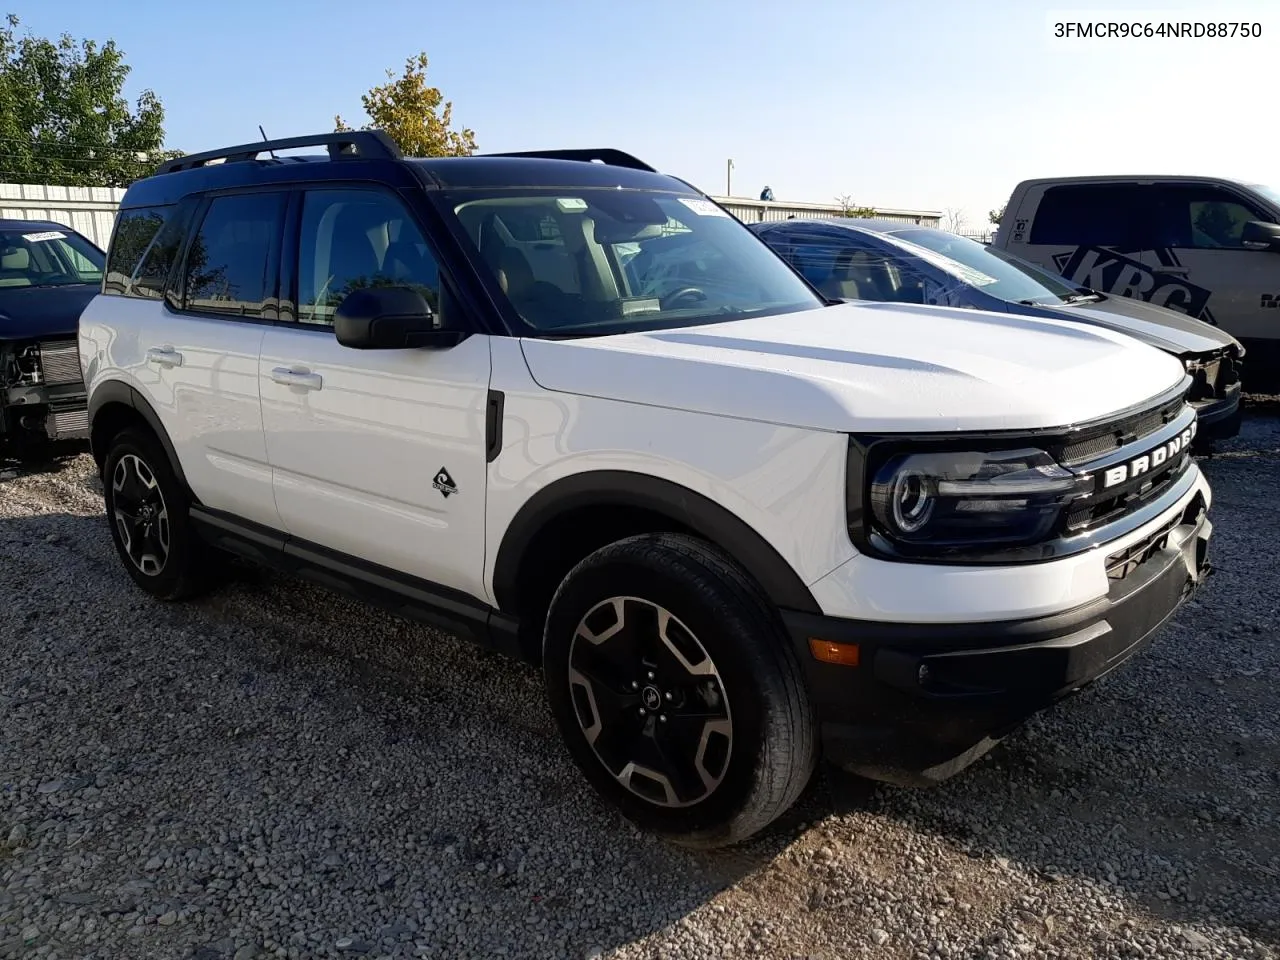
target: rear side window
135 229
230 262
1093 215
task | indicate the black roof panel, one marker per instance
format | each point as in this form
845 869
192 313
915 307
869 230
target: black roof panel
499 171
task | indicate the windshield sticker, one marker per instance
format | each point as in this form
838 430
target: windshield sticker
703 208
571 204
47 235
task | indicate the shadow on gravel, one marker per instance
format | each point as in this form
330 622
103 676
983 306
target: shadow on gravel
52 459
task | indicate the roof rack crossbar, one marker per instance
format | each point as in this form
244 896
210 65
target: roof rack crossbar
360 144
606 155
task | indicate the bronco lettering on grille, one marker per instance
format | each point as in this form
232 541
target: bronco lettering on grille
1151 460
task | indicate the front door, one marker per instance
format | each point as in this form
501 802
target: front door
1199 239
377 454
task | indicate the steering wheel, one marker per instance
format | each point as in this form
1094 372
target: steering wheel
691 293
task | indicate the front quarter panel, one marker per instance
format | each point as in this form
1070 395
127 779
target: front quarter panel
786 484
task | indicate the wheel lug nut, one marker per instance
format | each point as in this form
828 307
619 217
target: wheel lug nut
662 718
643 711
668 694
635 684
650 674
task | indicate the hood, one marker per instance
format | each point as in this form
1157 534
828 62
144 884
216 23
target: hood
35 312
868 366
1159 326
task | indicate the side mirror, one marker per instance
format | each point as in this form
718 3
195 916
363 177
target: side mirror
391 318
1258 235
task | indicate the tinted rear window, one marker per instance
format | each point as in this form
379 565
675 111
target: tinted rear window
1101 215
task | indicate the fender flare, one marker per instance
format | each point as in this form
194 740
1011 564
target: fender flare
621 488
116 391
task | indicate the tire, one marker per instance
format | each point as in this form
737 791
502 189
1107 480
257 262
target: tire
734 740
166 559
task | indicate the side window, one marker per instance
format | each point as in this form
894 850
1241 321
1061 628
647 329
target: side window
228 266
152 275
1094 215
352 239
1201 217
134 231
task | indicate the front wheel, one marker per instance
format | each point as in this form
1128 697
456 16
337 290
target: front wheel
677 691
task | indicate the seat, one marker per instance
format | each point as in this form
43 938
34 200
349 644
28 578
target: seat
15 264
541 303
858 275
351 255
403 263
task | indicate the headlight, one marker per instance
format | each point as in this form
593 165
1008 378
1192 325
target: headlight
971 499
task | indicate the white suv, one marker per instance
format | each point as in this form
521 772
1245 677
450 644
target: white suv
579 413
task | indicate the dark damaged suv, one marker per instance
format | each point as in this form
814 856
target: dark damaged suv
48 274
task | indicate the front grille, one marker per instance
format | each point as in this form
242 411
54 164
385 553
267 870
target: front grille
65 424
60 362
1109 437
1123 562
1212 373
1136 472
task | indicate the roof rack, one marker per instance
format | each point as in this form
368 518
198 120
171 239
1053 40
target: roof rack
358 144
606 155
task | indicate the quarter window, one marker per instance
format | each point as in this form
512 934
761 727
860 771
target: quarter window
229 265
352 239
135 229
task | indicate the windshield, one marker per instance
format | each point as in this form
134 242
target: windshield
39 257
1269 192
1003 278
600 261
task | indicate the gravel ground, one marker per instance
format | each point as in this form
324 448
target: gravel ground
273 771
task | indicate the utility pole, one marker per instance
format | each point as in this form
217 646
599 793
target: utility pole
728 179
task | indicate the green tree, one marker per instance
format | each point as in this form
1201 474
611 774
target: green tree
414 115
63 117
996 215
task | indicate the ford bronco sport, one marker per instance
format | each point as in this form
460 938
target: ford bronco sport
569 407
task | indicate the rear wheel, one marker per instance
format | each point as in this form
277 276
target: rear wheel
147 509
677 690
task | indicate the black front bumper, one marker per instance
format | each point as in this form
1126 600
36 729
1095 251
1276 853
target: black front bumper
926 700
1220 417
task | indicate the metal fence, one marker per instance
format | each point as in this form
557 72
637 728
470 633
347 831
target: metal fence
90 211
756 211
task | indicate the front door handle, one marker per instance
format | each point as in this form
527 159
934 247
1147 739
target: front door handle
297 377
164 357
1175 271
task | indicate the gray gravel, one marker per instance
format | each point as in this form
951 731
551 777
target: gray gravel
275 772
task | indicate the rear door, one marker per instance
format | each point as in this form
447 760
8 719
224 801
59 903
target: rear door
376 454
1199 227
198 303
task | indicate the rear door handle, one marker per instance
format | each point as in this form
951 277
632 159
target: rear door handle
164 357
297 377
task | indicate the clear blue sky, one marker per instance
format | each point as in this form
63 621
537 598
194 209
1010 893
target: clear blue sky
908 103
